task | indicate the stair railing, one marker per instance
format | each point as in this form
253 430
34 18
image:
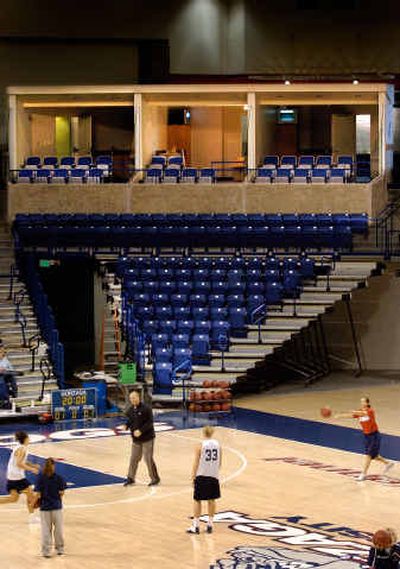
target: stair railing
33 345
45 370
257 316
19 317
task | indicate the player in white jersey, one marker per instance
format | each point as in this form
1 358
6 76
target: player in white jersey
17 465
205 476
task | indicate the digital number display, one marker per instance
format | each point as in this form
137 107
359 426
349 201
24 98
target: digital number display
73 404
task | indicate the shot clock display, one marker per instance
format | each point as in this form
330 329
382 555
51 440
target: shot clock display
73 404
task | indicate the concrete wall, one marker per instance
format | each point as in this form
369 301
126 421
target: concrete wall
171 198
376 313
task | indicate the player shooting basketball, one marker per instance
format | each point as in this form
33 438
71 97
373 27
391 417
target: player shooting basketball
366 418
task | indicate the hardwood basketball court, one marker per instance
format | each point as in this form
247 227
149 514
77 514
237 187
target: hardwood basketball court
284 499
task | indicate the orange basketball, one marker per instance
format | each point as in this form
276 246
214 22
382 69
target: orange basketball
226 395
207 407
207 395
197 408
192 395
216 407
207 383
192 407
198 395
225 407
326 412
224 384
214 383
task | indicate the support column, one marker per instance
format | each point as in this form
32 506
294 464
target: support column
251 131
12 132
138 114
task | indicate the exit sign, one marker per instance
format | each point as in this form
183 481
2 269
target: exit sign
46 263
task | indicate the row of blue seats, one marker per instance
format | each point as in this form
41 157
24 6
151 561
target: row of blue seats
301 176
299 238
103 162
308 161
219 268
173 175
357 221
62 176
163 161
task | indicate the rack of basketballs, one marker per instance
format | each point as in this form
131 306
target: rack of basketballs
211 396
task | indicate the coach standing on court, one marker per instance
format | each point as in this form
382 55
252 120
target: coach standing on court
141 425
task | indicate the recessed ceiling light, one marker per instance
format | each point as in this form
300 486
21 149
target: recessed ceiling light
287 82
355 81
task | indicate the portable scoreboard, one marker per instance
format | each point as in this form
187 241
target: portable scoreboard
74 404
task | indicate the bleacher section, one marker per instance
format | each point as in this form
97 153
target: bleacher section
222 316
239 231
306 169
68 169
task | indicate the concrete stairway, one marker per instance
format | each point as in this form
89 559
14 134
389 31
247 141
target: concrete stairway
29 384
283 323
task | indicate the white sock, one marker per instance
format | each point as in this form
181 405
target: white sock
210 520
195 522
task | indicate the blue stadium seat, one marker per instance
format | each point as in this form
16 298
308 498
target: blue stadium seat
289 161
104 163
180 341
168 327
163 312
26 176
264 175
306 161
301 176
182 312
153 176
60 176
185 327
84 162
189 175
175 161
50 162
43 175
67 162
207 176
273 293
33 162
319 175
271 161
163 378
95 176
77 176
337 176
171 175
159 341
283 175
324 161
163 355
201 349
158 160
183 359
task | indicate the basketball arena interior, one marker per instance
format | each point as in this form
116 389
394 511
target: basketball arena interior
200 224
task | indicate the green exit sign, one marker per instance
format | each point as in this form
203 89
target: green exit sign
46 263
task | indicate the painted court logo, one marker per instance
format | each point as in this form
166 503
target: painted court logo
293 543
278 558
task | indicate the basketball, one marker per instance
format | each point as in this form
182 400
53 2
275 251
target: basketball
216 407
214 383
382 539
224 384
197 408
326 412
192 395
225 407
191 407
207 407
207 395
207 383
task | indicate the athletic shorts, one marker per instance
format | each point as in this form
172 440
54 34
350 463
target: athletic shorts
372 444
18 485
206 488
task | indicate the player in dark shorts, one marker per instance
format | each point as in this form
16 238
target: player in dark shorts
17 465
372 436
205 478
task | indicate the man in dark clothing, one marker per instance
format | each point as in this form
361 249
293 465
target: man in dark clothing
140 423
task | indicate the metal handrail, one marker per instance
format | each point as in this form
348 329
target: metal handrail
33 345
11 283
262 308
45 370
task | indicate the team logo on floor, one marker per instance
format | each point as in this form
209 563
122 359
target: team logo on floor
83 433
349 472
296 544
